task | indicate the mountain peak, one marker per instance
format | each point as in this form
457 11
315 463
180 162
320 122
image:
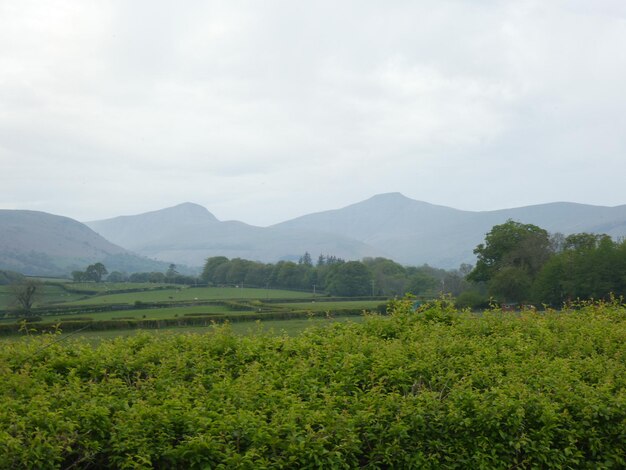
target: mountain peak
191 208
186 211
394 196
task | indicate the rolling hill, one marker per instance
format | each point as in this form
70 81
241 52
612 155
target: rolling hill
189 233
42 244
391 225
415 232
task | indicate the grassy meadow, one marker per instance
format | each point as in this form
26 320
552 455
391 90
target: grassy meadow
112 309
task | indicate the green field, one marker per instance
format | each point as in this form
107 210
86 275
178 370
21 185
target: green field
174 294
56 292
317 306
98 307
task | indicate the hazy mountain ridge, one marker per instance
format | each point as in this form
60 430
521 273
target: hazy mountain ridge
390 225
188 233
38 243
415 232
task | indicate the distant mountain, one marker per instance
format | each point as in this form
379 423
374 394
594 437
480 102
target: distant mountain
390 225
38 243
189 233
415 232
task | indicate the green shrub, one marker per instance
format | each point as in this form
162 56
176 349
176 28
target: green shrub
473 300
432 388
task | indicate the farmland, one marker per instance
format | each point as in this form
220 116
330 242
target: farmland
123 306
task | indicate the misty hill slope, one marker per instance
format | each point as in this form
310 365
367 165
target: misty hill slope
415 232
38 243
189 233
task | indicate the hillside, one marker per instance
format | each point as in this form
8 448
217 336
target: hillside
189 233
38 243
415 232
390 225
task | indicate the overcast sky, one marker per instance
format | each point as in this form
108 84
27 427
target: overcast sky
265 110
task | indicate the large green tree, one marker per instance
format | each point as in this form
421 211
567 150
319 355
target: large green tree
590 266
349 279
510 258
390 278
95 272
211 266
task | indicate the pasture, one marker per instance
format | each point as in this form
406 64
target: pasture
112 309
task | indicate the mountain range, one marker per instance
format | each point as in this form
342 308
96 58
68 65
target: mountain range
390 225
414 232
42 244
189 233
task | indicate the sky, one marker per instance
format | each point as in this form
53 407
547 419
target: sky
262 111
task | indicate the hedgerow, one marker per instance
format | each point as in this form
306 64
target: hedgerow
432 388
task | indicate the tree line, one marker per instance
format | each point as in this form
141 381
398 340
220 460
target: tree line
336 276
521 263
96 272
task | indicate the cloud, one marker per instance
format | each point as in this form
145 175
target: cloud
118 107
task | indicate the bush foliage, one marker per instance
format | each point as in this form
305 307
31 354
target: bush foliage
425 388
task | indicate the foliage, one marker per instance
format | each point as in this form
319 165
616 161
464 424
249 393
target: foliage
390 278
117 276
422 283
93 272
590 266
510 258
490 391
349 279
473 300
520 262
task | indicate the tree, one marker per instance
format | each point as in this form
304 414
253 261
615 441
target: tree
79 276
95 272
117 276
156 277
349 279
511 284
588 266
523 246
210 267
512 253
422 283
465 269
584 241
237 271
258 274
171 272
289 274
389 276
306 259
25 294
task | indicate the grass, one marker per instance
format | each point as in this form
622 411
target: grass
57 295
148 313
324 306
174 312
50 294
189 294
106 287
